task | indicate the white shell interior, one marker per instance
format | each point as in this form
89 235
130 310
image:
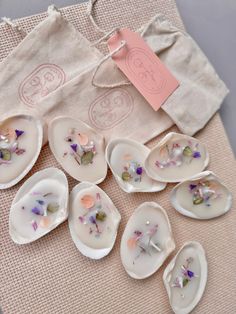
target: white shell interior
45 187
58 132
140 264
30 142
184 299
121 153
219 202
94 240
178 167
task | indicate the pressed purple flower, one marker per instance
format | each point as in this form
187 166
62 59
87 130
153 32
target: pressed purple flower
37 211
1 154
139 171
40 202
196 155
81 219
92 219
34 225
190 273
74 147
192 186
19 133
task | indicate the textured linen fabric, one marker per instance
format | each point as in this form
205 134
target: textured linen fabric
50 55
122 111
50 275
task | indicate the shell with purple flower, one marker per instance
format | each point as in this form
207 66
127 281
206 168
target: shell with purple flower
125 158
175 158
204 196
185 277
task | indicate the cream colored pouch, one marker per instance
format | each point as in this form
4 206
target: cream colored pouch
201 91
101 98
53 53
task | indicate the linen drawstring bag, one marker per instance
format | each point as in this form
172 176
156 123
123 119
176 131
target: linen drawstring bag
101 98
51 54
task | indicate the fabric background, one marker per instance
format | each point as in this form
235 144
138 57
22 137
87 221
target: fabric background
51 276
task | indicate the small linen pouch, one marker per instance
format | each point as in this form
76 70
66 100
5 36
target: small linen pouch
50 55
201 91
122 111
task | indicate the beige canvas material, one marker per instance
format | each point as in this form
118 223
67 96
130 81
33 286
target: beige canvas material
122 111
201 91
50 55
50 275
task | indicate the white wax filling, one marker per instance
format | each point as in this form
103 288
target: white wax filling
90 172
26 223
185 199
87 231
183 297
145 263
124 155
27 141
188 167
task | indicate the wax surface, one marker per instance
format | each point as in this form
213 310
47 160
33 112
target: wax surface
25 222
28 141
183 297
146 263
59 131
87 231
175 170
185 200
122 156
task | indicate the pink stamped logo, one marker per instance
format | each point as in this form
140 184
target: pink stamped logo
42 81
111 108
142 65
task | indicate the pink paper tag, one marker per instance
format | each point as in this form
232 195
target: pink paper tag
142 67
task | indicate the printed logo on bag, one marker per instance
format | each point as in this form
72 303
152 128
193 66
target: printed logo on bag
152 81
111 108
42 81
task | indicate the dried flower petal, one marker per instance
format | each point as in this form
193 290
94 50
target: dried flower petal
37 211
44 222
101 216
185 282
87 201
187 151
197 200
52 207
20 151
132 242
74 147
34 225
125 176
5 154
196 155
83 139
87 158
19 133
139 171
92 219
190 273
41 202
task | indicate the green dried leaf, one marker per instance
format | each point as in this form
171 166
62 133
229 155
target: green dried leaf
101 216
185 282
52 207
198 200
187 151
125 176
5 154
87 158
